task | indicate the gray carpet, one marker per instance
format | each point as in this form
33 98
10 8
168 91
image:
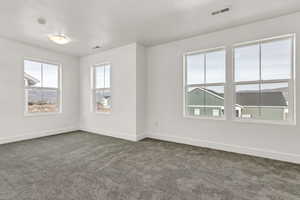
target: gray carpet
83 166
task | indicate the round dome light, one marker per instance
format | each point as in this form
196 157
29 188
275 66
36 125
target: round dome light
59 38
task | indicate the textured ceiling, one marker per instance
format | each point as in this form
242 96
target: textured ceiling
112 23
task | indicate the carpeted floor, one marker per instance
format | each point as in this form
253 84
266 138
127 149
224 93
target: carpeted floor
83 166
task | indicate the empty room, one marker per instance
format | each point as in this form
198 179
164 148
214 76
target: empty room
149 100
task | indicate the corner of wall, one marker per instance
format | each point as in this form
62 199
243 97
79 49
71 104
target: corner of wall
141 91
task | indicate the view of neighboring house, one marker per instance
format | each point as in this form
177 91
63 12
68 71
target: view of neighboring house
268 104
204 102
265 105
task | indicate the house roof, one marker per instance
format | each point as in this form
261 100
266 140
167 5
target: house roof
269 98
250 98
218 95
31 79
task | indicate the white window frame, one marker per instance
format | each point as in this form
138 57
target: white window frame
224 84
291 82
58 89
94 89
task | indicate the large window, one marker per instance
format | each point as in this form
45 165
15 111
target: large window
204 83
263 73
101 88
42 87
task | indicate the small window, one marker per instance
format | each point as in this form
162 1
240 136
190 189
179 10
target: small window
42 87
204 83
101 88
264 79
196 111
216 113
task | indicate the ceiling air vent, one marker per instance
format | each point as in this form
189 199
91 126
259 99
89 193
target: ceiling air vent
217 12
96 47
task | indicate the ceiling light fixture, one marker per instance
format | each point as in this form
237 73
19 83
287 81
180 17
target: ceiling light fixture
59 38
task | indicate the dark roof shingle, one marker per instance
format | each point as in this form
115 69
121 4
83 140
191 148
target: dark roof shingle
274 98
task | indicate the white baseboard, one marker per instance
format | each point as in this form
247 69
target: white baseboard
34 135
287 157
126 136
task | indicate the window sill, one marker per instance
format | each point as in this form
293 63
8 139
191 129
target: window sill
41 114
205 118
102 113
271 122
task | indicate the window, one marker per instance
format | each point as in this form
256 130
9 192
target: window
264 79
101 88
216 113
42 87
196 111
204 81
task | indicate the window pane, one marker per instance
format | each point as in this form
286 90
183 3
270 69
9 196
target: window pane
32 74
215 67
99 77
107 76
103 100
41 101
265 102
207 101
274 101
247 101
276 59
50 76
246 60
49 101
34 98
195 69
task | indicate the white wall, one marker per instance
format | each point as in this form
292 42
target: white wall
14 125
121 122
141 89
165 97
128 68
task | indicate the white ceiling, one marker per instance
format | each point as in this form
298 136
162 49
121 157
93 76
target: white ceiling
112 23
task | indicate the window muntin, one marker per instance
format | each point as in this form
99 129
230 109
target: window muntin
264 80
204 83
42 87
102 88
